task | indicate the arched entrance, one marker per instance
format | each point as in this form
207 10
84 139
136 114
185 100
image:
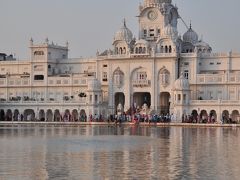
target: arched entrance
29 115
165 103
57 115
9 115
16 115
83 116
235 116
41 115
204 116
49 115
2 115
141 98
67 115
225 116
75 115
119 99
213 116
195 116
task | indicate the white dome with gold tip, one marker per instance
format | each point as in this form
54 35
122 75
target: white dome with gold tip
124 34
190 36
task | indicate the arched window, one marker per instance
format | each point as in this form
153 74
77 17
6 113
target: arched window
162 49
116 50
121 50
144 50
124 50
136 50
170 49
166 49
118 77
140 50
164 77
38 53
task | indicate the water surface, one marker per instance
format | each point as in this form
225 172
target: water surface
113 152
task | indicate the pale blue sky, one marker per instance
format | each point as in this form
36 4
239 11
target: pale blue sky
89 25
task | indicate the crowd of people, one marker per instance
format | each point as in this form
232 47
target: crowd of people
198 119
138 118
134 118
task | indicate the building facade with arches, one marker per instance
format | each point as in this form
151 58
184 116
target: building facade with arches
159 70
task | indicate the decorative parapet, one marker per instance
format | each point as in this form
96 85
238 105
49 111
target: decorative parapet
44 102
213 55
218 78
210 79
214 102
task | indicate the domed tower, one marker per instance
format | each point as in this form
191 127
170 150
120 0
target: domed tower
191 43
190 38
123 40
181 92
154 16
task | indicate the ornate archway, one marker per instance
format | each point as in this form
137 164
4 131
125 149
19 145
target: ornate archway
225 116
41 115
195 115
204 116
16 115
9 115
213 116
140 99
49 115
75 115
29 115
119 100
83 115
235 116
165 103
2 115
57 115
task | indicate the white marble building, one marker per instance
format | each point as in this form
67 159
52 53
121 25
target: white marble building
166 72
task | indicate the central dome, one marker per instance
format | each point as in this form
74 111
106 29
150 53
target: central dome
190 36
124 34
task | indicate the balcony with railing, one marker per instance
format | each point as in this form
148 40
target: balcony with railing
53 81
210 78
218 78
42 101
14 82
215 102
141 83
173 54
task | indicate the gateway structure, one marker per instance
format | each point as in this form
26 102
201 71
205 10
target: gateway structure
159 72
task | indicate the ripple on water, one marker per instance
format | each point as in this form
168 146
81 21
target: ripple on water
103 152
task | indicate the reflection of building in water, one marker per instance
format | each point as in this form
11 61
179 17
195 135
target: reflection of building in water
18 157
175 151
167 72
